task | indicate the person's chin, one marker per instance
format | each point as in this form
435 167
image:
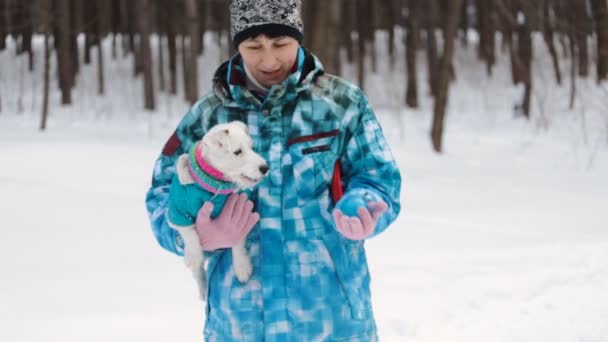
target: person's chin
273 80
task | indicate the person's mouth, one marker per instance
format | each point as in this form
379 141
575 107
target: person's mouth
272 74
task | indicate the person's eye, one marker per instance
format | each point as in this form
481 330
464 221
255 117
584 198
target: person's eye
253 47
238 152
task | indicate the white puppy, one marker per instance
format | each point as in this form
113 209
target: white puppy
222 162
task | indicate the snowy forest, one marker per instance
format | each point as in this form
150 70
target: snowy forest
496 112
575 33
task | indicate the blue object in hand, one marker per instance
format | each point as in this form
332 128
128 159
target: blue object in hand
352 201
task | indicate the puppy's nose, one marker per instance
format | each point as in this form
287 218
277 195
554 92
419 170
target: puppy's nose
264 169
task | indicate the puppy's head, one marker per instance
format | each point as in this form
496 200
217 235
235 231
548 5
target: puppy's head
228 148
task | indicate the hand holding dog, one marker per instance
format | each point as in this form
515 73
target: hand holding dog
230 227
361 227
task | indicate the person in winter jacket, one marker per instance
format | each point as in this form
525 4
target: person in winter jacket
332 184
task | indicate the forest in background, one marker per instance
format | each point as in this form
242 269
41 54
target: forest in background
573 30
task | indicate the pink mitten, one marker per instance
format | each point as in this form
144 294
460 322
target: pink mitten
359 228
230 227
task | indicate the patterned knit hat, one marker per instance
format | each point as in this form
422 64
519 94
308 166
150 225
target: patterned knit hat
249 18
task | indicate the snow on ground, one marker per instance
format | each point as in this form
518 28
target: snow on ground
503 237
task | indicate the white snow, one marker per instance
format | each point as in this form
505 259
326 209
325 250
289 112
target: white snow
503 237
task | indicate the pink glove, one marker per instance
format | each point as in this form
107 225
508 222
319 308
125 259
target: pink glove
359 228
230 227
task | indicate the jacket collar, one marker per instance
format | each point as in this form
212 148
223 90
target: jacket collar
229 82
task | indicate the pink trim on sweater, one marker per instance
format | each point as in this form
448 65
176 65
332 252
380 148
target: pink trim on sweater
205 166
207 186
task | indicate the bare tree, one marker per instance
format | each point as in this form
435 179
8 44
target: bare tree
64 51
3 24
581 25
431 45
441 98
548 35
172 47
524 52
600 11
347 28
392 19
161 20
102 27
363 29
325 39
485 20
45 18
411 48
143 22
191 53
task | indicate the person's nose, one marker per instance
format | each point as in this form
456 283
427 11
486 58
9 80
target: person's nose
269 62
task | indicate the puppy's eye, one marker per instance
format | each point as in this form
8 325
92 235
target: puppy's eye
238 152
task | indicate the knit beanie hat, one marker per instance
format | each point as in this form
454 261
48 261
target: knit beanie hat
249 18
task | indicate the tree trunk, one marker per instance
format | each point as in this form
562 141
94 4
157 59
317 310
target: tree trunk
184 61
102 26
192 52
573 36
524 54
171 45
486 31
347 29
88 44
203 23
574 56
600 12
441 100
45 16
363 20
548 29
431 46
393 18
143 21
371 34
27 33
309 12
3 24
162 29
64 54
126 30
100 77
325 38
75 20
411 47
580 25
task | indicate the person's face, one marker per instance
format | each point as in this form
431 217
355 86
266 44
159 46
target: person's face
269 60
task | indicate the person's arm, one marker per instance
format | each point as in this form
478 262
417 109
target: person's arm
188 131
369 169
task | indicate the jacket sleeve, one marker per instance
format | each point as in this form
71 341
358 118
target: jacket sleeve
367 161
188 131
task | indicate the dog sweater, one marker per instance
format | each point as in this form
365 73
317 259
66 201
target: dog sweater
185 200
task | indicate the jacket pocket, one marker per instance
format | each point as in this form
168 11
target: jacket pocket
312 159
352 273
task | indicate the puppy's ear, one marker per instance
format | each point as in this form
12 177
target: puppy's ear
214 137
181 168
240 125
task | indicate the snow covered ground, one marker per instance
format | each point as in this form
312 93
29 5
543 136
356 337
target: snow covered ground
504 237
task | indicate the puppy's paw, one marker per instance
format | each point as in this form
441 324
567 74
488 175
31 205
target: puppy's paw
193 260
243 269
203 294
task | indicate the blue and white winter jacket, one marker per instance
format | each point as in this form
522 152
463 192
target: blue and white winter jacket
309 283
